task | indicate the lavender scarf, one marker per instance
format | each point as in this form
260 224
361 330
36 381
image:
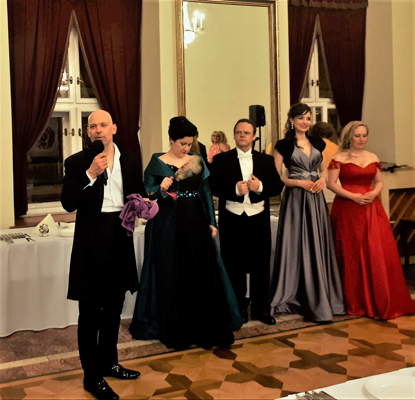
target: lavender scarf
136 206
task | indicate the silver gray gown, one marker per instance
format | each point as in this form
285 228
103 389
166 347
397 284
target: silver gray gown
306 277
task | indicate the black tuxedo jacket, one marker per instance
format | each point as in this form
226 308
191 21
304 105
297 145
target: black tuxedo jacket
226 172
87 201
203 153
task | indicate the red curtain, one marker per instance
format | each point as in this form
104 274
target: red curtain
343 30
335 4
38 31
301 24
344 34
110 33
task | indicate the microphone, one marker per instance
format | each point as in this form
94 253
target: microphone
95 148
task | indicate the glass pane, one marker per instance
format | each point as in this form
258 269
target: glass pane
87 90
66 80
85 138
306 91
45 170
318 115
324 85
333 118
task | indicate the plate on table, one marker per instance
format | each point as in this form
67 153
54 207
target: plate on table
393 386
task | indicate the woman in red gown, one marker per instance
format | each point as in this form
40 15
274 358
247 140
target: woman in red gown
373 280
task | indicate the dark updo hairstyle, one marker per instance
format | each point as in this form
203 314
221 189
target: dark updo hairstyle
181 127
295 111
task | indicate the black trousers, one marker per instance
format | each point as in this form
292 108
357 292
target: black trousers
102 297
245 244
98 327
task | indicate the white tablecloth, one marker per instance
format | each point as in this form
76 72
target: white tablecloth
361 389
34 282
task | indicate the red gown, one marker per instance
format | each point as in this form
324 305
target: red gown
373 280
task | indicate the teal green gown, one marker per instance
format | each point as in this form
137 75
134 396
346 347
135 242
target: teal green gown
185 296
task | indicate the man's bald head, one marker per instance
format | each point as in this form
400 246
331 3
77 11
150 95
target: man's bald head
101 127
100 114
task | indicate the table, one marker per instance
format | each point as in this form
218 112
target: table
400 179
34 281
357 389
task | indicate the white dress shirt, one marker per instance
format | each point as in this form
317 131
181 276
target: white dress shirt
247 166
113 190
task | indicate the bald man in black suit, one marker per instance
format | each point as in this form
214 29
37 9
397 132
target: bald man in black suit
103 263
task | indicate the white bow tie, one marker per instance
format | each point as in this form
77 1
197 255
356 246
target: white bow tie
244 155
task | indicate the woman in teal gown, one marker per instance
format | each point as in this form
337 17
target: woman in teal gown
185 296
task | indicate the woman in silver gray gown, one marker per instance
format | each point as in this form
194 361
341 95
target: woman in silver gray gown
306 278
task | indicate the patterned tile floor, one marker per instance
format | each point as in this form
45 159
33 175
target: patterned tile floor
267 367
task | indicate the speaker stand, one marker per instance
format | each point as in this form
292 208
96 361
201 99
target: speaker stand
260 139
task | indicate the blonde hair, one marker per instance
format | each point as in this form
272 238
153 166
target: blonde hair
222 137
347 132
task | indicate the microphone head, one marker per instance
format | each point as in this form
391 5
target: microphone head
96 147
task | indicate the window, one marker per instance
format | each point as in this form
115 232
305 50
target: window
317 92
65 133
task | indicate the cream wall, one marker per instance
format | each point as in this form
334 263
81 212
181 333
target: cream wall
283 65
404 80
390 79
159 92
6 161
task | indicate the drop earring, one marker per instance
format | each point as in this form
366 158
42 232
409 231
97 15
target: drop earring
292 125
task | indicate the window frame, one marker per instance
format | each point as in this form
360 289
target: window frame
71 109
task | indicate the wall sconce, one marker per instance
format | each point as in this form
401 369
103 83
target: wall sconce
192 26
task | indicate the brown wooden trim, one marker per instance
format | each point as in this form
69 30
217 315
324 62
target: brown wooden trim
27 222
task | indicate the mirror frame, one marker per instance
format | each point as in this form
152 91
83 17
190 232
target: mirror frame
273 54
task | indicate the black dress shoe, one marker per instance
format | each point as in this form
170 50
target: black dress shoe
119 372
264 318
100 389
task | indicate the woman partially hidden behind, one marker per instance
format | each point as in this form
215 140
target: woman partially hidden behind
373 280
306 277
185 296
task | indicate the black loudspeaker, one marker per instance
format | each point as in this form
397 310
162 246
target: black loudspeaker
257 114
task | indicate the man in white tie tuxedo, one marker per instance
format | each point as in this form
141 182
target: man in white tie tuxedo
244 180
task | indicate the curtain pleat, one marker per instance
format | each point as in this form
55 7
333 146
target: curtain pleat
110 33
301 25
38 31
344 34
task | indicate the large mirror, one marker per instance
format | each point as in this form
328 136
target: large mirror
227 62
